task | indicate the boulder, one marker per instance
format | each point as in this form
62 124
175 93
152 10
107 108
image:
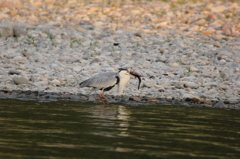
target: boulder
20 80
6 29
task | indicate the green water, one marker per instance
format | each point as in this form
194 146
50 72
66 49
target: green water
31 129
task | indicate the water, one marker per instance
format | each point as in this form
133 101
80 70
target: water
31 129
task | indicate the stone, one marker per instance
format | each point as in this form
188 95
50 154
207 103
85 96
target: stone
109 69
175 65
6 29
211 16
7 4
20 80
77 69
149 83
20 29
14 72
179 85
40 83
161 25
126 98
199 22
87 25
76 97
193 69
218 9
55 82
226 26
191 85
217 37
219 104
208 32
20 59
210 84
137 99
91 98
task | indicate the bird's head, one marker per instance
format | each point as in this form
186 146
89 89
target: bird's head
128 72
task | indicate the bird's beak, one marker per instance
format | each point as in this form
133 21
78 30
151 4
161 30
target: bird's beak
134 74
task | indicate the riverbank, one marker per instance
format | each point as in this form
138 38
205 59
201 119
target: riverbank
186 52
125 99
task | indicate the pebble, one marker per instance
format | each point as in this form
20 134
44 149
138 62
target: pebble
149 83
219 104
137 99
6 29
20 29
91 98
191 85
14 72
20 80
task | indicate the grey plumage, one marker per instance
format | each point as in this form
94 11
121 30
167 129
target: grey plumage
101 80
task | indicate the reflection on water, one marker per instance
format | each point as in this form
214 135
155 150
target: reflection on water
31 129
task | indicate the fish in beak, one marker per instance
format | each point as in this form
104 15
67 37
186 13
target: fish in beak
136 75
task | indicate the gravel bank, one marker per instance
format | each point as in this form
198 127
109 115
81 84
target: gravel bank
185 52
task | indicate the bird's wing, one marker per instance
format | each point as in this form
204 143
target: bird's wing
100 80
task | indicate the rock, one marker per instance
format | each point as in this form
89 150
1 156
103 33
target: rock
217 37
40 83
6 29
20 29
218 9
161 25
43 79
87 25
126 98
180 85
108 69
160 88
219 104
53 96
20 80
76 97
193 69
175 65
210 84
199 22
65 96
91 98
226 26
14 72
191 85
55 82
137 99
149 83
211 16
20 59
233 99
77 69
7 4
208 32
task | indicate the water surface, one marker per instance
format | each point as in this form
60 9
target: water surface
31 129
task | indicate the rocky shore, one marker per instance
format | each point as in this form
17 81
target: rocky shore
187 53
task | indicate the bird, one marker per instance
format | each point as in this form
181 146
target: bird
105 81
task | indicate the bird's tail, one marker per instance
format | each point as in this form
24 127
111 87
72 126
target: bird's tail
81 84
84 83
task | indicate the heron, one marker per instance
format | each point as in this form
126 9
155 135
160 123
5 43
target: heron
105 81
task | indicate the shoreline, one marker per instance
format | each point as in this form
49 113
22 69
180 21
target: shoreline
129 100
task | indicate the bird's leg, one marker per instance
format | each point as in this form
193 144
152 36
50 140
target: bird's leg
105 99
101 95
